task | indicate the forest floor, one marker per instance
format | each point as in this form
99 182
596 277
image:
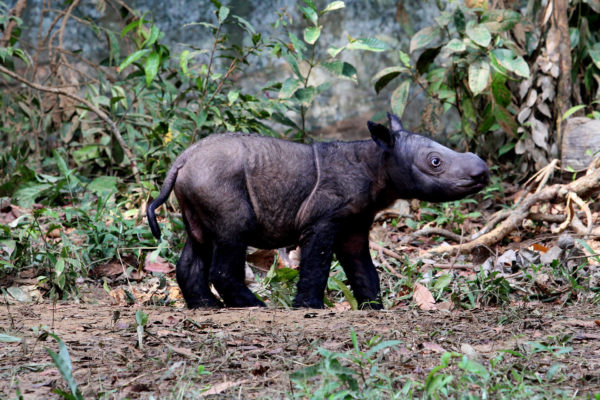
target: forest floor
250 353
527 325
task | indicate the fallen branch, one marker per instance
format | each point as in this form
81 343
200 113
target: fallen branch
431 231
577 188
101 114
385 251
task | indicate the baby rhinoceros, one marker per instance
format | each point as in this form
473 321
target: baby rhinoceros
239 190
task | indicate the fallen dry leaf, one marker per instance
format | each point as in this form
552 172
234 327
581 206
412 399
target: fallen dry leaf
433 347
223 386
159 265
423 297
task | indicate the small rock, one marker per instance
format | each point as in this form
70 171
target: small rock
506 261
554 253
566 241
470 352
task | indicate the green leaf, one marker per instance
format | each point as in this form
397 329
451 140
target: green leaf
223 14
141 318
479 75
133 58
289 87
505 119
103 185
310 14
311 34
4 338
572 111
594 53
424 37
306 95
479 34
183 62
342 69
347 293
454 46
400 97
334 51
404 58
385 76
232 96
151 67
152 37
511 61
367 43
28 192
293 64
299 46
64 366
334 5
442 282
500 92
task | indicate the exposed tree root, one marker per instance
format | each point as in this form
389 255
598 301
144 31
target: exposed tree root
507 221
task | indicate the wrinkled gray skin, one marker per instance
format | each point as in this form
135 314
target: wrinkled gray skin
239 190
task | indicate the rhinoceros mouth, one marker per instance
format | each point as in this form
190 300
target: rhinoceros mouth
471 186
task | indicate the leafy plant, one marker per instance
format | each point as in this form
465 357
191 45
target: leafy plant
464 62
353 374
302 57
64 366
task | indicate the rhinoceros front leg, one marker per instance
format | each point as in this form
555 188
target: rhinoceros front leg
227 274
192 275
316 249
352 250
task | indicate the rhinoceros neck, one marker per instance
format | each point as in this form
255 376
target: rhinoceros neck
359 169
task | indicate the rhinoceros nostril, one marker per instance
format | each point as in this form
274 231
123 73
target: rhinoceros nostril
480 173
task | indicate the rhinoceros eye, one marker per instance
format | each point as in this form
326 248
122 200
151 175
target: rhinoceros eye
435 162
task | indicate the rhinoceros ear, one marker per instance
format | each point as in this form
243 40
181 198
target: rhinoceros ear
395 123
381 135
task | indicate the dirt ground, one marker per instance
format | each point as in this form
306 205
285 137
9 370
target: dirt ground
250 352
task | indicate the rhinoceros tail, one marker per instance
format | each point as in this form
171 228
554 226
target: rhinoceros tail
165 191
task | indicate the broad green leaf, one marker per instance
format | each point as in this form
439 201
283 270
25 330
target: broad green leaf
500 92
311 34
479 75
223 14
478 34
306 95
103 185
342 69
232 96
505 119
28 193
289 87
151 67
293 64
424 37
473 367
442 282
247 26
132 26
385 76
368 43
310 14
511 61
400 97
594 53
334 5
133 58
152 37
444 18
454 46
